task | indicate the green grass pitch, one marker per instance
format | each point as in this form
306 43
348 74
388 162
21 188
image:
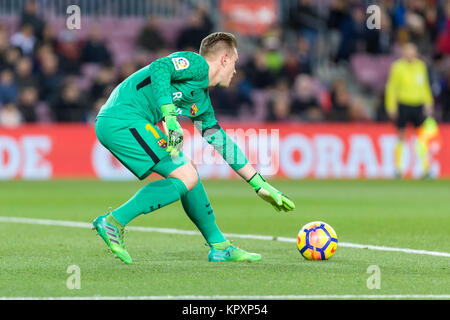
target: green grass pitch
400 214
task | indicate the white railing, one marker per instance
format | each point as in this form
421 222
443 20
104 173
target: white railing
113 8
139 8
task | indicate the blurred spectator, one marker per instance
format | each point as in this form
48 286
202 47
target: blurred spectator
227 102
352 28
444 97
443 39
398 15
95 49
126 70
103 83
10 57
304 20
48 38
273 56
142 58
279 106
91 115
10 115
341 101
150 37
8 89
30 16
304 55
69 52
49 75
291 67
305 103
380 109
431 22
24 73
357 111
3 42
27 103
204 12
257 71
198 28
337 13
69 105
24 39
415 22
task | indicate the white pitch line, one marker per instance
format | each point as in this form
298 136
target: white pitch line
266 297
76 224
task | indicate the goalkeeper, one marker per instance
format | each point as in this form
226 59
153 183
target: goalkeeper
126 126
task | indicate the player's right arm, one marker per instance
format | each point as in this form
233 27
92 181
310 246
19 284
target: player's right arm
428 96
391 91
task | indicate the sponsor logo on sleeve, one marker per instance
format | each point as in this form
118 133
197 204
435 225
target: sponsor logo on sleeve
180 63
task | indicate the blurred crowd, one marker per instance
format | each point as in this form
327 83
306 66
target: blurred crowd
277 75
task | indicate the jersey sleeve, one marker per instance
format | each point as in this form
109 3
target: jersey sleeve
179 67
213 133
391 89
207 119
428 95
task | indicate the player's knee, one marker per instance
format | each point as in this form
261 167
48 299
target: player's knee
191 180
193 165
187 174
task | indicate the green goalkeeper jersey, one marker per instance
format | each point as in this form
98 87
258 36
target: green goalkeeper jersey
182 79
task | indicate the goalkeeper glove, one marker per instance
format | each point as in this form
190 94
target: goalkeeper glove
172 129
268 193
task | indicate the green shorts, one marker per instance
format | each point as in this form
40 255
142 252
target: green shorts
138 145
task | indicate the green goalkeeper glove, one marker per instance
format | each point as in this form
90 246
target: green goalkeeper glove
268 193
172 129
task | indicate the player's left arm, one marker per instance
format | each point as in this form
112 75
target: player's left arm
233 155
263 189
428 98
391 91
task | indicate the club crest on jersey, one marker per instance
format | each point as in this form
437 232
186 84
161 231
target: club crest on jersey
162 143
180 63
193 110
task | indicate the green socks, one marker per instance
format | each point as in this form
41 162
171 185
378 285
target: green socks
221 245
160 193
153 196
198 208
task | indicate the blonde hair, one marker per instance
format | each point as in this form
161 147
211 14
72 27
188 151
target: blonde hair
216 42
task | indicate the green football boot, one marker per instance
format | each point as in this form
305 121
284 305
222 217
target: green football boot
111 232
224 251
